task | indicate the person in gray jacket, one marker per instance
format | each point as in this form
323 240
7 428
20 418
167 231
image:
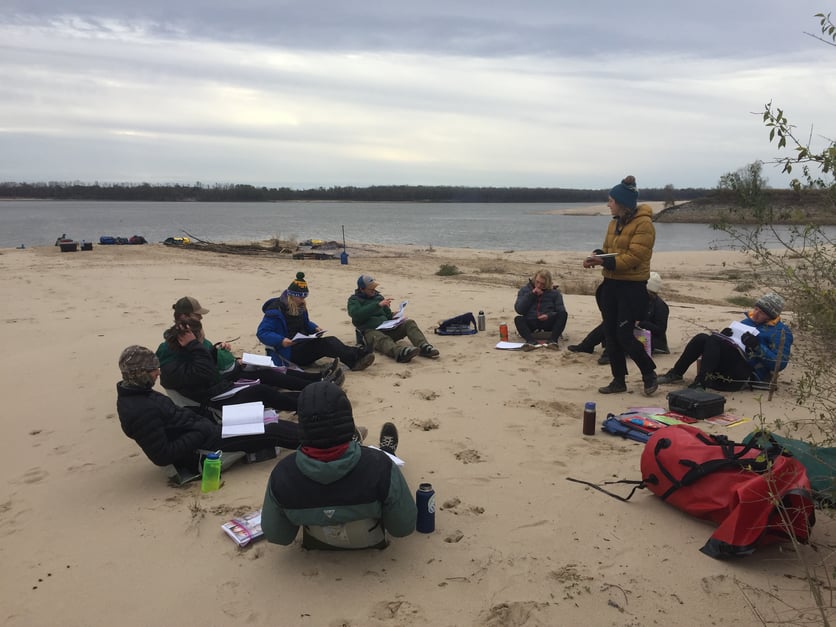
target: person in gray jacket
540 308
342 494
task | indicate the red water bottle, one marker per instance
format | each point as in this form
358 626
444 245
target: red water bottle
503 332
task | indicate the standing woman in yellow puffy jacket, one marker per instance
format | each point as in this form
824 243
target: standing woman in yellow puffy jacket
625 262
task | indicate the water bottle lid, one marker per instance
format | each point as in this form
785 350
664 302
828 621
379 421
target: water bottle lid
589 406
214 455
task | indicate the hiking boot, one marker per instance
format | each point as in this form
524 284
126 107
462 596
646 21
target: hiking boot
616 386
530 346
337 376
651 384
389 438
407 353
330 369
579 348
671 376
360 434
364 362
428 350
554 346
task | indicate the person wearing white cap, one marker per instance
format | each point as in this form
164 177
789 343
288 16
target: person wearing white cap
369 309
731 360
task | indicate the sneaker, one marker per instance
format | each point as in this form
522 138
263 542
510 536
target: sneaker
337 377
697 385
364 362
530 346
671 376
604 360
615 386
428 350
651 384
360 434
407 353
579 348
554 346
389 438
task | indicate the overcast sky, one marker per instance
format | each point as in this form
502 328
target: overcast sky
365 92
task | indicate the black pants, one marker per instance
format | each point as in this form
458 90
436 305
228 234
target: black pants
270 396
555 324
282 433
723 366
308 351
289 380
285 434
622 303
595 337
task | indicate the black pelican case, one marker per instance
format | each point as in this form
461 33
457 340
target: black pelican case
697 404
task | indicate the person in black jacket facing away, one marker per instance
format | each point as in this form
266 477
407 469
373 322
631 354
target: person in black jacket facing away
655 320
169 434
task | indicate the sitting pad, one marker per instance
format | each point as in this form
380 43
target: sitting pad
181 475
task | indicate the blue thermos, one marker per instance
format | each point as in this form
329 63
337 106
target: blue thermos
425 500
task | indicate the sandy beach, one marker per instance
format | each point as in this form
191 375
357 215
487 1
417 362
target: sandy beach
92 534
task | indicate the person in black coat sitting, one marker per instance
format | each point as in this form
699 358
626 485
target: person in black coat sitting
169 434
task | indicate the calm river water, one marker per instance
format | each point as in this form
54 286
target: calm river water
460 225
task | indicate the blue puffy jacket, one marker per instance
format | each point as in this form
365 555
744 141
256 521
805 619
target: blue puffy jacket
273 328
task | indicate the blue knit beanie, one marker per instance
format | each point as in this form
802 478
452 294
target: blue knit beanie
625 193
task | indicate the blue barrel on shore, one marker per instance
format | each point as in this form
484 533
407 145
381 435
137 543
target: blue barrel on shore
344 258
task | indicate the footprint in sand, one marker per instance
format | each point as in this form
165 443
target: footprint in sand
468 456
454 537
427 395
426 425
34 475
453 503
514 614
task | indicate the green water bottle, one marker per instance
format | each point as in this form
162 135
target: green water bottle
211 479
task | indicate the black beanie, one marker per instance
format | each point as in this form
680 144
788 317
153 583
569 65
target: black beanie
324 415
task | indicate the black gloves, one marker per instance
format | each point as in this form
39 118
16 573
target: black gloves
749 341
727 332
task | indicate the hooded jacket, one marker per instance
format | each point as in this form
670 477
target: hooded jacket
273 328
365 311
633 240
763 358
347 503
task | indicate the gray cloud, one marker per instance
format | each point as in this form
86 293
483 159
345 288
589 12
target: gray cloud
373 92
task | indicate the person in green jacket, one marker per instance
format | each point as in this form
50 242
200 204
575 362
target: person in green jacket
369 309
343 495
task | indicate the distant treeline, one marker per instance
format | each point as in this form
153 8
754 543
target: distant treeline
375 193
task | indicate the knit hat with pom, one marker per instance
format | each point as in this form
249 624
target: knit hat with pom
299 286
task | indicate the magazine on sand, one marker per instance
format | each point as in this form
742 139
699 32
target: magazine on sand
245 529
